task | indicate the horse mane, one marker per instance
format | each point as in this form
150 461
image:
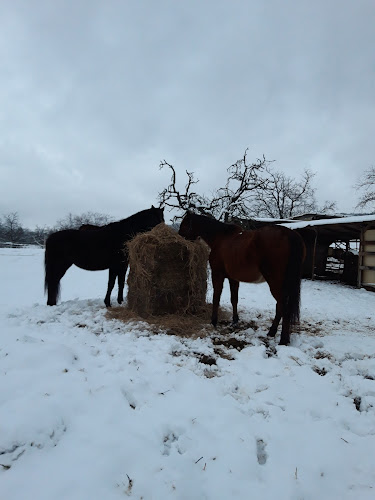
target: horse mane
134 217
128 221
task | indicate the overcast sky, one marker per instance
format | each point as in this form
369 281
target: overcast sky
95 93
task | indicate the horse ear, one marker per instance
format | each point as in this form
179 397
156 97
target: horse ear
152 206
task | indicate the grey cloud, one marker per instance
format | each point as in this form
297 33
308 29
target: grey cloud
94 94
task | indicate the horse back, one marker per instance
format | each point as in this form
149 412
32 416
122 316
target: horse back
251 256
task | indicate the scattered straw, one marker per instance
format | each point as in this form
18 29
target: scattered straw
182 325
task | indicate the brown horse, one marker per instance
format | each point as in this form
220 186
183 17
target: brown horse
272 253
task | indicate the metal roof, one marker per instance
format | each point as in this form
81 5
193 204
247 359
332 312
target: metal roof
344 228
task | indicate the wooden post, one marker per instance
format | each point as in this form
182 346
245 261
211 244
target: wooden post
360 259
313 256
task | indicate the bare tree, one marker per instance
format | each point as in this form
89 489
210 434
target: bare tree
245 180
284 197
72 221
187 200
252 190
231 201
366 184
39 235
12 231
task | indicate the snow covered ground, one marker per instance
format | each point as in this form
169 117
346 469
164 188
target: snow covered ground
92 408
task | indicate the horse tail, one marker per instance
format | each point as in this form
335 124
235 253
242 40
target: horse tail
293 276
47 267
51 279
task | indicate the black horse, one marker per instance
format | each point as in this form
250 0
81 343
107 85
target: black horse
94 250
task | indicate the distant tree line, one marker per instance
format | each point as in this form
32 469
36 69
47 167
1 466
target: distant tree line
13 233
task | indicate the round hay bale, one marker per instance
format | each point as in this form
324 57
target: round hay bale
168 274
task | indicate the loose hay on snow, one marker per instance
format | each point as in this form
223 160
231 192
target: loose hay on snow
182 325
168 274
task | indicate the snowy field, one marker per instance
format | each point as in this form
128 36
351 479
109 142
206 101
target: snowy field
92 408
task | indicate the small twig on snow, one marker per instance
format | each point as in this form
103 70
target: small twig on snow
130 485
296 360
164 393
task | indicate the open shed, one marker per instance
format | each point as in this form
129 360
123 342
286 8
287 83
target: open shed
359 267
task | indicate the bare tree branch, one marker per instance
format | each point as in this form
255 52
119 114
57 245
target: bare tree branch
251 189
366 184
187 200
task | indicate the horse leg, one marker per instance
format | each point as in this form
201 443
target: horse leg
111 283
276 287
285 330
276 321
280 313
54 273
217 282
53 288
234 298
284 308
121 283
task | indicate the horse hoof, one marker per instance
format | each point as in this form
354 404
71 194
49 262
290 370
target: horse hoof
271 334
214 323
284 342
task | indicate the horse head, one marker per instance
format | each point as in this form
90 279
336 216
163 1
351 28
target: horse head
157 215
187 230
